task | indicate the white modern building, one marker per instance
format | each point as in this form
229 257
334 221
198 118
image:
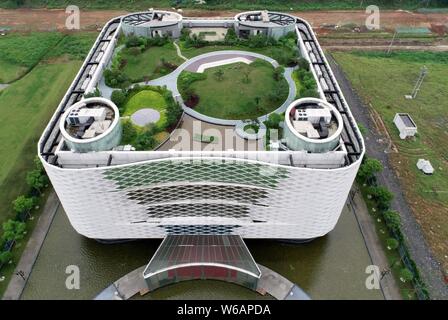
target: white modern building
294 192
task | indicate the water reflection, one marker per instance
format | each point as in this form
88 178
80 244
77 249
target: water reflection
331 267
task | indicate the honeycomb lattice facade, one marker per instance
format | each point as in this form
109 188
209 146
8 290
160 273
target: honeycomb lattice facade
154 198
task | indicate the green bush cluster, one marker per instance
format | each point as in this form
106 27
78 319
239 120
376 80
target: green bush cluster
273 125
144 139
273 121
114 76
382 198
308 84
96 93
195 41
283 50
186 79
367 171
14 229
143 43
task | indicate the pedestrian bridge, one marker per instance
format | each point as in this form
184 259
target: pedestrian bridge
201 257
189 257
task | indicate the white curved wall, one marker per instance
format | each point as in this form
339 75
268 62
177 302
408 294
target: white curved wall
303 203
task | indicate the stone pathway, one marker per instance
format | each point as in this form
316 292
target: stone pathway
179 53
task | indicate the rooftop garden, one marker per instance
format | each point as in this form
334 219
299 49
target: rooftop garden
283 50
236 91
148 113
139 59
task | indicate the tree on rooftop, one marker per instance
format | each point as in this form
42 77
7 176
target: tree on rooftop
219 74
274 120
119 98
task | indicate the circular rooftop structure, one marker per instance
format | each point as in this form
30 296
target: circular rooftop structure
91 124
271 24
313 125
152 23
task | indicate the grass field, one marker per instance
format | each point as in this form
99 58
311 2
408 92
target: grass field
10 72
149 63
147 99
383 82
26 106
19 53
233 97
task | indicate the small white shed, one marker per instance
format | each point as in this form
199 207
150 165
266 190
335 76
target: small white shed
425 166
405 125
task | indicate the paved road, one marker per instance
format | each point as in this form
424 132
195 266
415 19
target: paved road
429 267
3 86
29 256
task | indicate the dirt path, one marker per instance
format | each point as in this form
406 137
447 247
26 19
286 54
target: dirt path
50 19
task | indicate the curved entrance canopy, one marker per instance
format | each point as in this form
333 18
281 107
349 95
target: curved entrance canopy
188 257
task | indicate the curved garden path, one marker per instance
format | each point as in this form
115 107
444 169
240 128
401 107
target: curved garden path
170 81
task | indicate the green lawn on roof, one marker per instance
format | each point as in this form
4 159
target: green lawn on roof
232 97
149 63
147 99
